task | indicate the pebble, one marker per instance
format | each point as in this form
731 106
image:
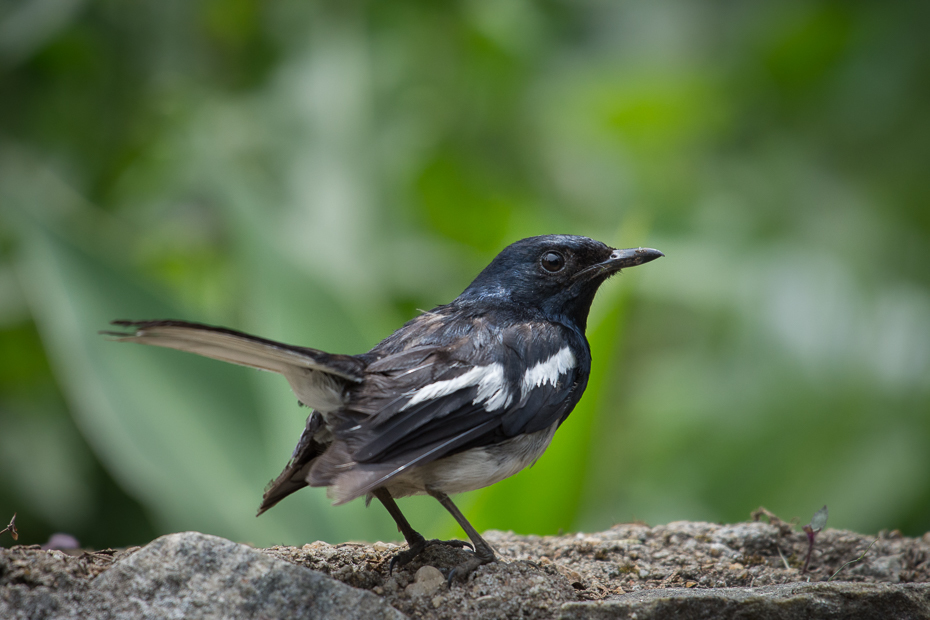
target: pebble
427 581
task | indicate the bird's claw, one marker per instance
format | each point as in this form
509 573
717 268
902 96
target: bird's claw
466 568
454 543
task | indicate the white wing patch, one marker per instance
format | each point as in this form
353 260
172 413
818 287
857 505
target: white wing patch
548 371
492 388
492 385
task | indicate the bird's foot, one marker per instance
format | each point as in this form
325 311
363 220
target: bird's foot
403 557
466 568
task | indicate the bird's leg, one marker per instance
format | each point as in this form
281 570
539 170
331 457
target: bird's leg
415 541
483 551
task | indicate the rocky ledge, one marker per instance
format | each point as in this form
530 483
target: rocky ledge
680 570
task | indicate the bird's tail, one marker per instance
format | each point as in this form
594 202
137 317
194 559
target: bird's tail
318 378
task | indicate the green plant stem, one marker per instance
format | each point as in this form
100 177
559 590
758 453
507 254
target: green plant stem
852 561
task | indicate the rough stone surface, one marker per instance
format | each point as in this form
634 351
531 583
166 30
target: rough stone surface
187 575
824 601
680 570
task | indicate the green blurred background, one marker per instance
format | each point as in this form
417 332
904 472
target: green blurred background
316 172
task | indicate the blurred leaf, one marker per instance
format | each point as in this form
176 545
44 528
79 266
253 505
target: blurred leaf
463 203
807 44
43 460
186 453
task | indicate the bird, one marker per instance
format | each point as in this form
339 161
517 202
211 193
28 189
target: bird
458 398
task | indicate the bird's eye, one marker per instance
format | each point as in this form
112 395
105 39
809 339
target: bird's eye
552 261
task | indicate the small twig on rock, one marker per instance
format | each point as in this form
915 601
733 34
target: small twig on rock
784 528
11 528
762 511
852 561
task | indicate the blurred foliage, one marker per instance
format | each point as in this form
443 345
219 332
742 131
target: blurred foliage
317 172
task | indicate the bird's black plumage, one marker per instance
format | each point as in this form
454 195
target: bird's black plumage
458 398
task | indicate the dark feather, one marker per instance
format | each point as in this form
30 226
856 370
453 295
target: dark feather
294 476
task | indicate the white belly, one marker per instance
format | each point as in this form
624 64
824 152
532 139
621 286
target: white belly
476 468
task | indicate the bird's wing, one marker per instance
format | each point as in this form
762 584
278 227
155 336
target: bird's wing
424 404
318 378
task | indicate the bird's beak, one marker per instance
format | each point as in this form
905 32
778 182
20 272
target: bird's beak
617 260
630 258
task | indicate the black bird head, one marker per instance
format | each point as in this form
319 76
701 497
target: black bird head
558 274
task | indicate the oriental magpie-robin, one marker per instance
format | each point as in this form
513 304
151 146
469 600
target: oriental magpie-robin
457 399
